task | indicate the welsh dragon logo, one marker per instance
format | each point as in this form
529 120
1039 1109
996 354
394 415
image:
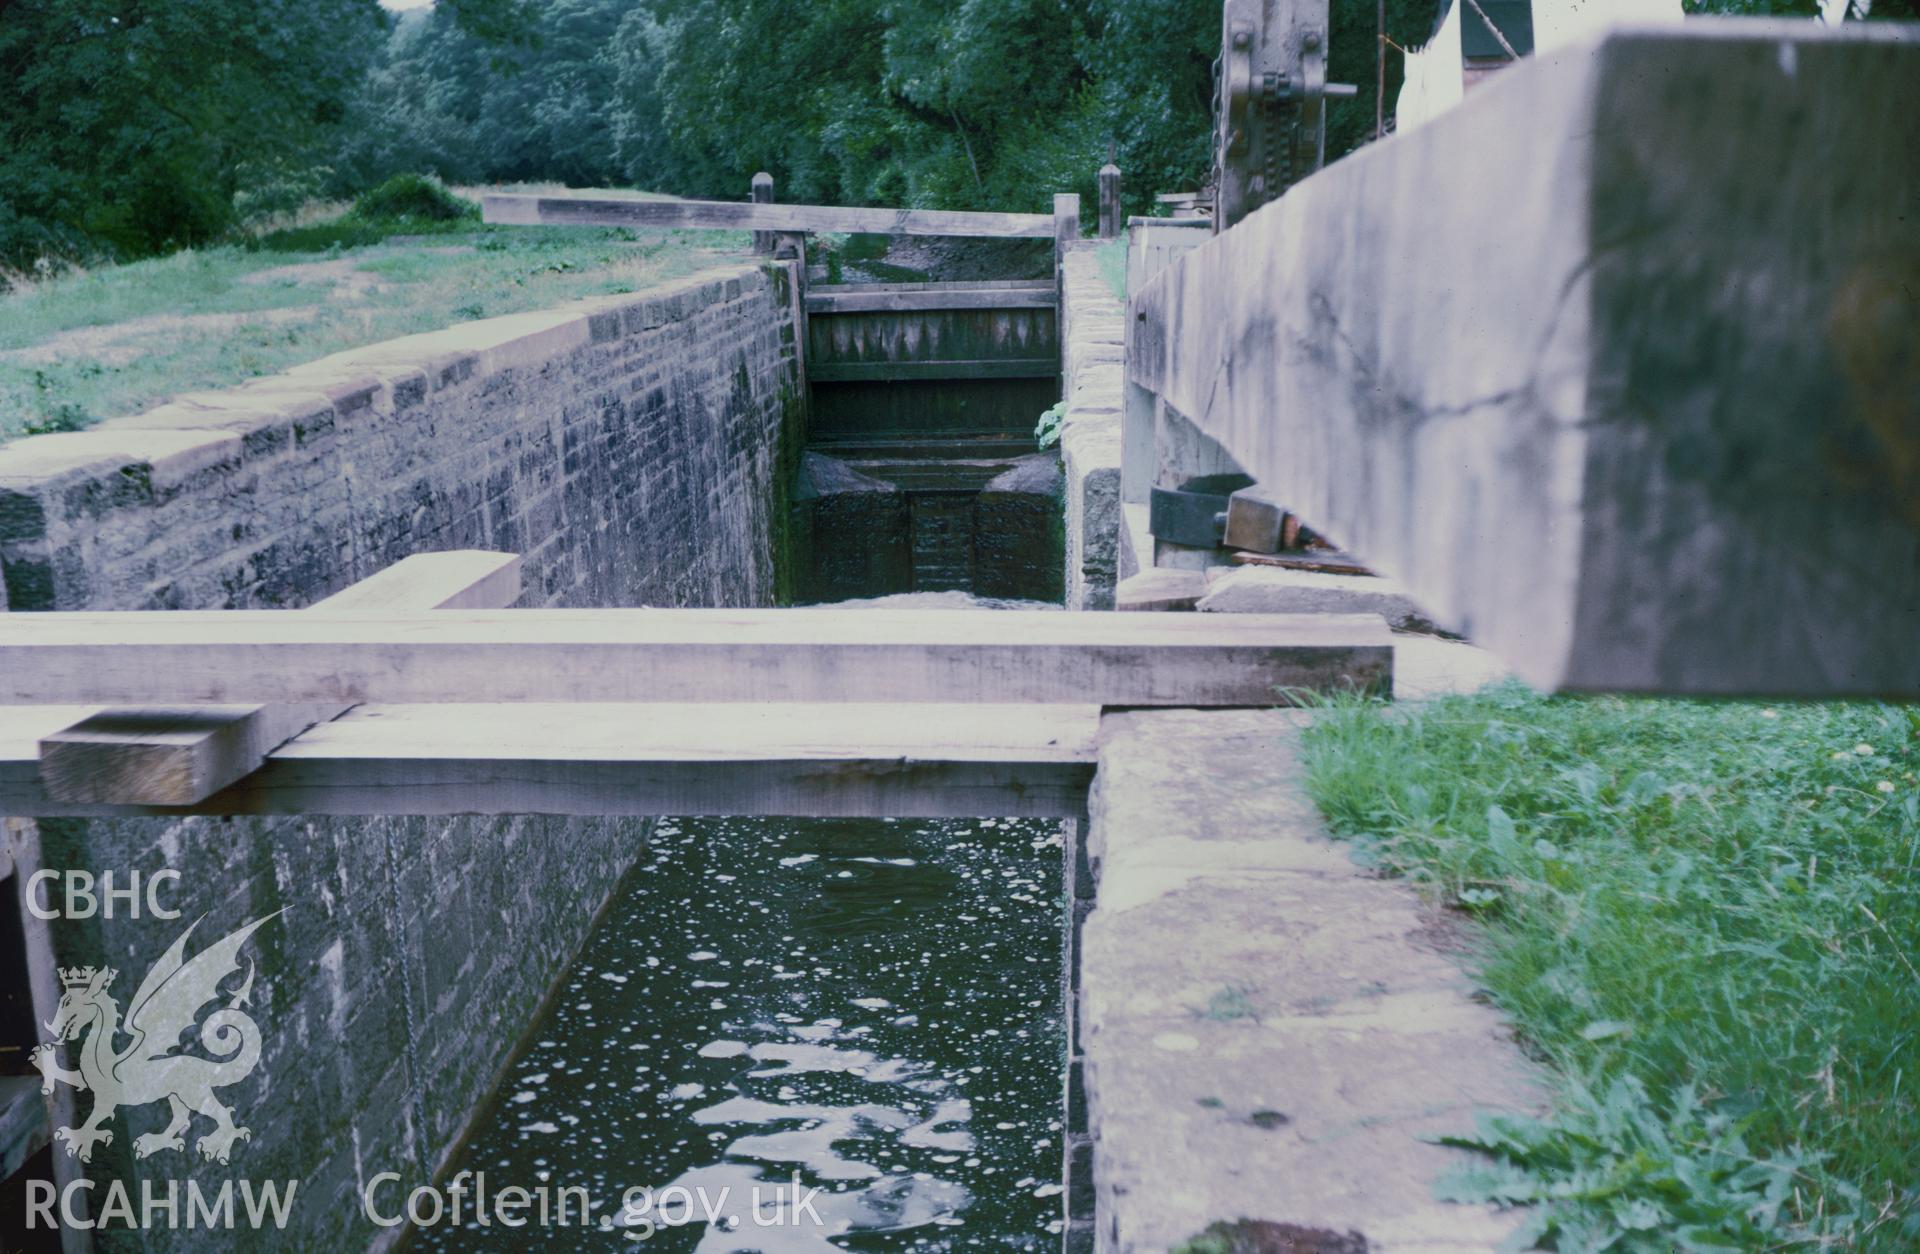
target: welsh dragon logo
148 1069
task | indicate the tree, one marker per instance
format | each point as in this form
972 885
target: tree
130 126
128 122
133 124
1350 59
791 89
975 104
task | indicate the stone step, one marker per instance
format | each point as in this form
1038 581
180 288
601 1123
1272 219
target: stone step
1158 588
1274 590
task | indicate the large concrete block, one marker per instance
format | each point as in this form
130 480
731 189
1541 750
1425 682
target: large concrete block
1616 366
1427 666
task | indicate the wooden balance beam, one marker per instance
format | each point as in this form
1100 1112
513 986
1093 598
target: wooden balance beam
653 655
1613 366
846 760
608 209
180 755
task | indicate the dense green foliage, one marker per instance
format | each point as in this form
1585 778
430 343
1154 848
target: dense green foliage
415 196
1702 916
129 127
133 125
992 104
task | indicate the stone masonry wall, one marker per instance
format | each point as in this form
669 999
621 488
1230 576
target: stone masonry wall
1091 329
633 449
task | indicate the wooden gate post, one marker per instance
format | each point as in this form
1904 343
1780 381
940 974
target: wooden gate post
1110 219
1066 229
763 195
1066 226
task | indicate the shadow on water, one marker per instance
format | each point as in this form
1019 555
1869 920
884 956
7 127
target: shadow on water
867 1008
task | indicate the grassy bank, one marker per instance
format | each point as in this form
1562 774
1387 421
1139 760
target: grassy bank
98 344
1705 918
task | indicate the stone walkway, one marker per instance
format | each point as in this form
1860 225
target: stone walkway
1268 1029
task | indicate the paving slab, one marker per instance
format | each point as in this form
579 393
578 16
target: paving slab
1268 1028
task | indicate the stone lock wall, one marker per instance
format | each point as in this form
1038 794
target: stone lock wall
634 450
625 446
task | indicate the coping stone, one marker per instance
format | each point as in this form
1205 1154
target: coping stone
1269 1029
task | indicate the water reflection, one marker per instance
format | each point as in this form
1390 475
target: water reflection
821 1034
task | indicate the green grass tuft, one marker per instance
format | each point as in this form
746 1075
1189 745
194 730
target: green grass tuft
1704 917
1052 425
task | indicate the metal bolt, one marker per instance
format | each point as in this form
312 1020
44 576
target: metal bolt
1310 40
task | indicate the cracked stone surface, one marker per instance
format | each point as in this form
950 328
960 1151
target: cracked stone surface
1268 1028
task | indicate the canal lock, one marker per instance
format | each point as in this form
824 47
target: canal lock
812 1034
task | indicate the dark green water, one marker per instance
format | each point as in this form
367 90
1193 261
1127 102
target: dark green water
869 1007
